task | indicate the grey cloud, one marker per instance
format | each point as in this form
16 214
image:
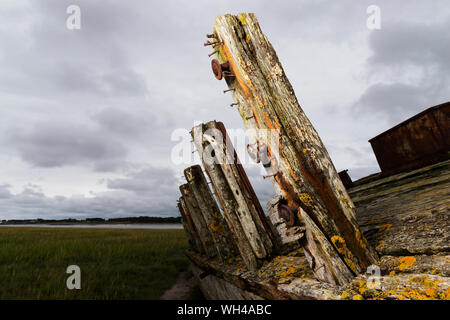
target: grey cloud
145 181
117 121
151 192
4 191
55 144
415 58
394 101
403 43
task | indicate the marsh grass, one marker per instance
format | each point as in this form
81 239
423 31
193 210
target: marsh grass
115 263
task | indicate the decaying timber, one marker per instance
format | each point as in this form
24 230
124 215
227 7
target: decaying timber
215 223
305 174
330 238
416 269
241 208
198 221
189 228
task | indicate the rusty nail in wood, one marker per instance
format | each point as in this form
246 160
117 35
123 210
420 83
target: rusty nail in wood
209 55
234 104
225 91
212 35
209 43
247 118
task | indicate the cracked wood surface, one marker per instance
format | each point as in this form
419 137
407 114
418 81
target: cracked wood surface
241 207
215 223
306 176
406 271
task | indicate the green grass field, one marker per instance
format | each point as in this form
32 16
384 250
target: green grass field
115 263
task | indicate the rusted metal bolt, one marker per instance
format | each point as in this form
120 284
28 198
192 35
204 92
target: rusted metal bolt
248 118
209 43
215 51
234 104
225 91
219 69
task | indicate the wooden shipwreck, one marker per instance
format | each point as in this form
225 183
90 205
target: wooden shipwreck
386 237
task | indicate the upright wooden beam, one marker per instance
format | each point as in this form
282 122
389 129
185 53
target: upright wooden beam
189 226
198 220
241 207
305 174
217 227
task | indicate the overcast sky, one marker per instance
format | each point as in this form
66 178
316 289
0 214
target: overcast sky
87 115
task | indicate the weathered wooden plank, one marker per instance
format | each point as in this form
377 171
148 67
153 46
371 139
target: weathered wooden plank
199 221
256 210
408 213
306 176
187 229
238 201
226 200
208 207
189 226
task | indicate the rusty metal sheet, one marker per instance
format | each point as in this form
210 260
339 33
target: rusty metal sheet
345 178
421 140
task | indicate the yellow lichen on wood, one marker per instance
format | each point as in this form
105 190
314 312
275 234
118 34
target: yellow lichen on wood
306 199
341 247
385 227
381 244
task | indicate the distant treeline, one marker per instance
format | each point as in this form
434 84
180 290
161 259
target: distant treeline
125 220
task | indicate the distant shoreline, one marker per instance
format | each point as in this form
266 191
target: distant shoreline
142 220
97 225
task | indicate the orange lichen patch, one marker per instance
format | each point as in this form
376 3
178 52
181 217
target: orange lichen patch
430 292
341 247
405 262
234 69
216 226
381 244
269 124
345 295
426 228
306 199
357 297
290 169
385 227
